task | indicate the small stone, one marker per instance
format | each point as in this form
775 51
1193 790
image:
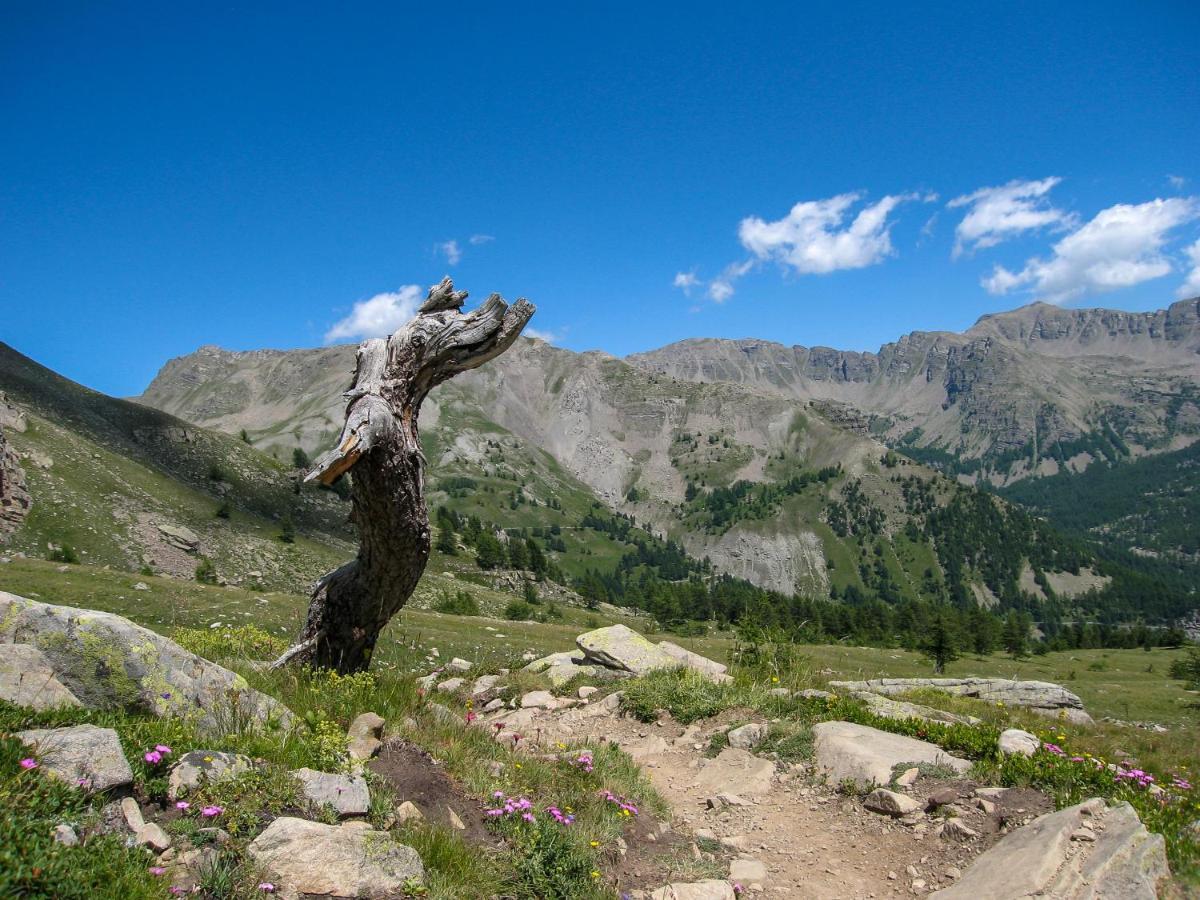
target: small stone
152 836
953 872
365 734
538 700
483 684
747 737
1083 833
455 822
748 871
909 777
450 685
586 691
64 834
943 797
132 814
495 768
918 884
408 812
890 803
987 806
493 704
732 799
957 830
459 665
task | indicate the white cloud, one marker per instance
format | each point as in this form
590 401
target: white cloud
451 251
685 281
550 337
379 316
720 288
1120 247
999 213
1177 181
811 239
477 239
1191 287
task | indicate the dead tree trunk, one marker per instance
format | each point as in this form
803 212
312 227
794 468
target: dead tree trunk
380 442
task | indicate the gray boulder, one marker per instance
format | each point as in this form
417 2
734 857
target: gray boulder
27 679
709 668
108 662
1042 697
1041 859
308 859
747 737
845 751
900 709
620 647
179 536
1014 741
200 766
83 755
348 795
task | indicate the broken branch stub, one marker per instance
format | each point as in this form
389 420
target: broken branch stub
381 443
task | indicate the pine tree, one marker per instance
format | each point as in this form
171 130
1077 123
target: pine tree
1016 633
941 642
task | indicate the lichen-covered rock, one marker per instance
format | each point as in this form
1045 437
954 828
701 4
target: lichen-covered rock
734 771
108 662
308 859
347 795
845 751
1042 697
27 679
82 755
1041 859
200 766
620 647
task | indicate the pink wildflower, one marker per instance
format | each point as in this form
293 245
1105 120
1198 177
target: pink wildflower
29 763
183 804
157 870
153 757
210 812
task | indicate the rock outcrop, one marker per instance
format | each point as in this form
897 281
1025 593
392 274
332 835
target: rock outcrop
1041 697
108 662
307 859
346 795
1083 852
15 501
845 751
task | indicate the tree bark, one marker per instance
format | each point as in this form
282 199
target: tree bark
381 444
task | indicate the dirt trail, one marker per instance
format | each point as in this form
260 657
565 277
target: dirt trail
813 841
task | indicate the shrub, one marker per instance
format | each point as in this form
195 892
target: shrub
64 554
206 572
224 511
287 530
518 611
461 603
1187 668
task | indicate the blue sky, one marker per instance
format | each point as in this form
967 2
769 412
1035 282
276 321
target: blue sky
176 174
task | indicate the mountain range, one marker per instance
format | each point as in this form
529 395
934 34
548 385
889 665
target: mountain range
804 471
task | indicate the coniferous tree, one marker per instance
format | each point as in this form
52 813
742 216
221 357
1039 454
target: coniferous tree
941 643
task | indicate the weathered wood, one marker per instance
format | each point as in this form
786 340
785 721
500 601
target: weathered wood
381 444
